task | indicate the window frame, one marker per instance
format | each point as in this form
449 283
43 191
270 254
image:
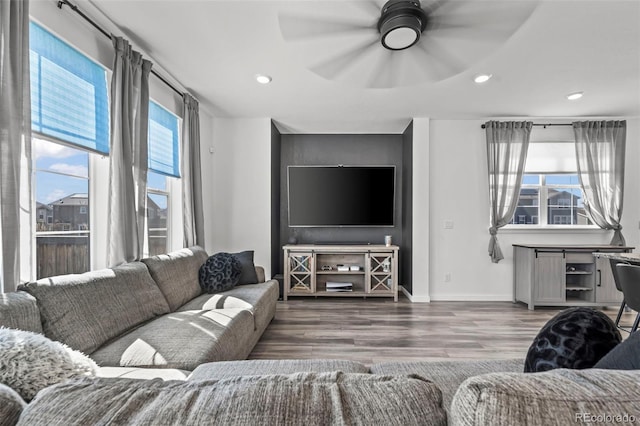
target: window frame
543 206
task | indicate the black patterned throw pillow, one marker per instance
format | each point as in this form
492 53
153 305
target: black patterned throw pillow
220 272
575 338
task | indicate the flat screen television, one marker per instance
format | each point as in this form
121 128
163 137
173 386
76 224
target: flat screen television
337 196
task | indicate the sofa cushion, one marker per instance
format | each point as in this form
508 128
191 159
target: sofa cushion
305 398
176 274
182 340
19 310
574 338
219 272
11 406
259 299
86 310
448 375
248 268
557 397
142 373
30 362
260 367
625 356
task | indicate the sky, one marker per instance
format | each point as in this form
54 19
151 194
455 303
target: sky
71 167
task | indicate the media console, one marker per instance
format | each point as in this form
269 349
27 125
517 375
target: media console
363 270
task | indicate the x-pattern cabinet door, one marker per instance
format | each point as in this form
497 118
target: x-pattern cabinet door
300 276
382 273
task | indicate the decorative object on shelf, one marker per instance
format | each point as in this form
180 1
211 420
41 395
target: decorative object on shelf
387 240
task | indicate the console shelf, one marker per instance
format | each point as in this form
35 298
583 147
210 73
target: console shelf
373 271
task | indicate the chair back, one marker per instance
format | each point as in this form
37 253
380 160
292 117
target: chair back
629 277
614 270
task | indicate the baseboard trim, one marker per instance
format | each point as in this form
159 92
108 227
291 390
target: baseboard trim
414 299
471 298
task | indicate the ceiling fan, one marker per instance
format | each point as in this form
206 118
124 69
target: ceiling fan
402 43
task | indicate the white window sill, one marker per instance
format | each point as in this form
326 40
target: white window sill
552 228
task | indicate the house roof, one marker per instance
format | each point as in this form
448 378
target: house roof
77 199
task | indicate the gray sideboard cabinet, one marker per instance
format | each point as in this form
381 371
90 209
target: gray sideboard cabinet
564 275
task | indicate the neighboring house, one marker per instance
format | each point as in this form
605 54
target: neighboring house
156 216
564 208
44 216
71 213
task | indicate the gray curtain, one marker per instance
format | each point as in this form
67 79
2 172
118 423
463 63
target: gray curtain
507 144
15 145
193 216
128 154
600 151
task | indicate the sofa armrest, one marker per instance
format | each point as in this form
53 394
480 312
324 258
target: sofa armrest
260 274
20 310
555 397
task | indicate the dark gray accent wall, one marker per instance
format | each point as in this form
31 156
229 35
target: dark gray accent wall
407 209
276 251
336 149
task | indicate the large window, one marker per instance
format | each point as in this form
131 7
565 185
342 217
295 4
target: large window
550 199
163 166
69 120
551 194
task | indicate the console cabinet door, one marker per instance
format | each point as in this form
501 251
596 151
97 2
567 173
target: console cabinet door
549 278
606 291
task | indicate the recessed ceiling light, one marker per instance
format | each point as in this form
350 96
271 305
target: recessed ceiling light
482 78
263 79
574 96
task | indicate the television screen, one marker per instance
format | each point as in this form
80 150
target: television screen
341 195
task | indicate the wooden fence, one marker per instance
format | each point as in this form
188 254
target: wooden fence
69 254
57 255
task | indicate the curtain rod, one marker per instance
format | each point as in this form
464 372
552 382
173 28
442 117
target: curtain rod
542 125
106 34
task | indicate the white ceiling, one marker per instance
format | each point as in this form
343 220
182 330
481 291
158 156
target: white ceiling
215 48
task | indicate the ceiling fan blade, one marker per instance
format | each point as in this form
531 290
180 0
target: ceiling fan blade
336 66
435 62
490 20
294 28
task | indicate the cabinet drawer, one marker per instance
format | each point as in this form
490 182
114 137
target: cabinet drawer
579 258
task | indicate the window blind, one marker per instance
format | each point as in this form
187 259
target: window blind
551 157
69 99
163 141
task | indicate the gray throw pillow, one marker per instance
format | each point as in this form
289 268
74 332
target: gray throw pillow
30 362
219 273
625 356
575 338
248 274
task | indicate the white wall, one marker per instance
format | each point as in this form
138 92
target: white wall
238 188
459 193
420 212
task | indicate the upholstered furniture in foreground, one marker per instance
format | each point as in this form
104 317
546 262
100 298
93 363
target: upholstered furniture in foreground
325 392
151 313
169 354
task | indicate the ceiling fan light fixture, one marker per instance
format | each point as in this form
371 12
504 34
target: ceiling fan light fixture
401 24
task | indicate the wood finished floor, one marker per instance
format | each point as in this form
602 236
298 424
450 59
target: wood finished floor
376 330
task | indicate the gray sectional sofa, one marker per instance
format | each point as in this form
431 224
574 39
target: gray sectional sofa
145 314
170 355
